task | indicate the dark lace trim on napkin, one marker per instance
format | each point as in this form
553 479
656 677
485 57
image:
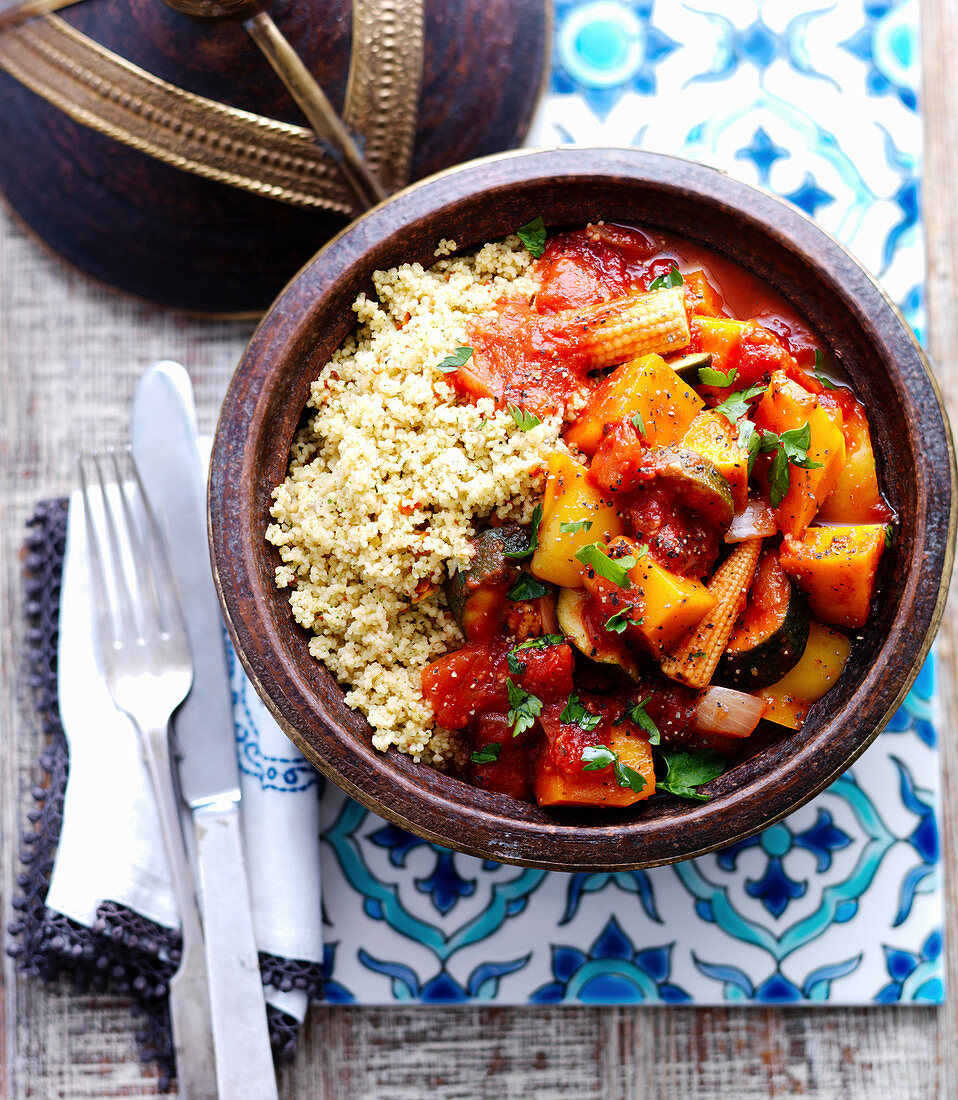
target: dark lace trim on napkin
123 951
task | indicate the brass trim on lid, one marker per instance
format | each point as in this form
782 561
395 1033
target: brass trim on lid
100 89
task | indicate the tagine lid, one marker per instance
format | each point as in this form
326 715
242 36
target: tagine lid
163 156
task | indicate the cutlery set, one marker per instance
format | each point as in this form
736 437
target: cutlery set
160 650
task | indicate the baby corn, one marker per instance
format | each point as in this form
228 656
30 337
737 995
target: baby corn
616 331
696 657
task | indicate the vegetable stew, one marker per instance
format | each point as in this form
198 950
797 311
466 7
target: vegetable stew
708 536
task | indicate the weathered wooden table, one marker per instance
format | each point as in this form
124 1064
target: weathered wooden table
70 354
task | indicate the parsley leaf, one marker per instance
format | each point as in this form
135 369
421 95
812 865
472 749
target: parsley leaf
639 424
779 479
533 536
751 440
628 777
576 714
819 363
638 714
735 405
713 377
524 708
533 236
527 587
795 444
698 653
524 420
453 362
597 757
673 278
488 754
620 620
518 667
688 770
573 527
616 571
889 533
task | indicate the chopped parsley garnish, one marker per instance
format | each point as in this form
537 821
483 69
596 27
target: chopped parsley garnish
889 533
614 570
533 236
518 667
637 714
698 653
735 406
819 363
688 770
524 708
524 420
712 377
620 620
597 757
488 754
673 278
455 361
639 424
791 449
575 714
533 536
527 587
573 527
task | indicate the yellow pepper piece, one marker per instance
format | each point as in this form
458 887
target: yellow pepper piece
788 701
570 498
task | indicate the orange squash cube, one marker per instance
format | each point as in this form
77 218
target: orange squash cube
598 788
856 497
647 386
785 406
714 438
835 567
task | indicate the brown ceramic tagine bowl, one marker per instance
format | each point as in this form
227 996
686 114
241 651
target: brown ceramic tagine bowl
482 201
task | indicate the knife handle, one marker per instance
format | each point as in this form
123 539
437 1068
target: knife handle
244 1060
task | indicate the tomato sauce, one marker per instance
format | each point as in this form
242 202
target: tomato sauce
528 705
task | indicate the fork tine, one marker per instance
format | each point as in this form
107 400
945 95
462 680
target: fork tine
144 578
166 585
105 625
129 623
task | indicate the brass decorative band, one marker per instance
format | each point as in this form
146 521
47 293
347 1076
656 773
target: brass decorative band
382 92
104 91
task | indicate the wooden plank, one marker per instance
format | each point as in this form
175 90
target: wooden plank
70 353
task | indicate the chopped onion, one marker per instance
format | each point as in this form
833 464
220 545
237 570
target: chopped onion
755 521
724 710
547 612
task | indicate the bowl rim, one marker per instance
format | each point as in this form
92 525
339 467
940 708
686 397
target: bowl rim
392 792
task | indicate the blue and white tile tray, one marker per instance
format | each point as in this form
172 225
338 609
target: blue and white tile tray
840 903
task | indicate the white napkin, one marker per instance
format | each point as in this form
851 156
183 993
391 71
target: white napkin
110 847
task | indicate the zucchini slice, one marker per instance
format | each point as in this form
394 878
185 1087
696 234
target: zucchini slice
699 485
771 633
687 367
575 625
477 595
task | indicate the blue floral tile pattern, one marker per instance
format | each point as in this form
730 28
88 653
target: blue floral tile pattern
841 902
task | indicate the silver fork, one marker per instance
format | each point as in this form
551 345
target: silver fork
145 659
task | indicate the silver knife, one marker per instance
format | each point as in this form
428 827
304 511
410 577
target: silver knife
163 437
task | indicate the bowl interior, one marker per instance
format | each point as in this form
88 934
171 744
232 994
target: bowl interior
483 201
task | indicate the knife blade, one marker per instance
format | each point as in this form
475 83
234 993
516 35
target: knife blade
163 438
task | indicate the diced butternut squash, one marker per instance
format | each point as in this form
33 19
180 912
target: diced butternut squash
714 438
717 335
835 567
647 386
598 788
570 498
664 606
856 497
788 701
785 406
